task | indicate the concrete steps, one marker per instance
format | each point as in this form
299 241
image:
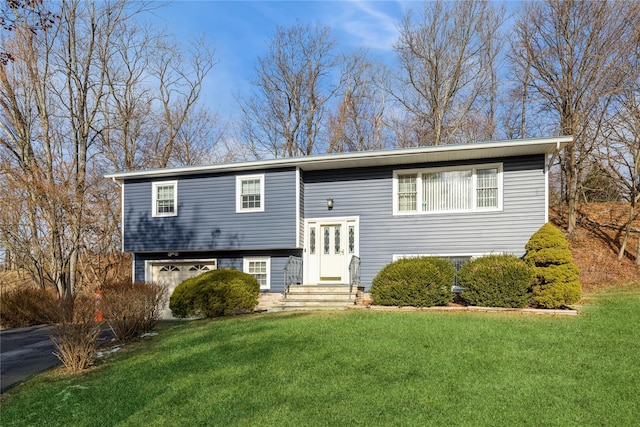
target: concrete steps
318 297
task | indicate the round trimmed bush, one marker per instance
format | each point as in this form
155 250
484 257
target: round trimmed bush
555 282
418 282
215 293
496 281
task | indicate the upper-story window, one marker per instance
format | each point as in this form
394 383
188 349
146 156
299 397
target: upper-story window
438 190
250 193
165 198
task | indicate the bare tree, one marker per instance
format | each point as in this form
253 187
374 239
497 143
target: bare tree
622 146
75 102
294 82
448 81
358 121
570 51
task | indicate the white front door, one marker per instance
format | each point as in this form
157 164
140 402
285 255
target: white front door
329 245
332 253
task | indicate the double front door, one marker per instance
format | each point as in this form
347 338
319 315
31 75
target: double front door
329 246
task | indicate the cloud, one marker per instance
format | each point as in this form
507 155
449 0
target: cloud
370 24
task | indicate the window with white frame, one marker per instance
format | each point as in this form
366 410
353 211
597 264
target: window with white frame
165 198
460 189
250 193
259 268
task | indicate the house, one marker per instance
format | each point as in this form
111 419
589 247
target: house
340 217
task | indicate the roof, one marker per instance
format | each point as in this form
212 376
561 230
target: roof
440 153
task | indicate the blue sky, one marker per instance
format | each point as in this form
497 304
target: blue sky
240 31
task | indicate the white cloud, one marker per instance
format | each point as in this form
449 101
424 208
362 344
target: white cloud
370 24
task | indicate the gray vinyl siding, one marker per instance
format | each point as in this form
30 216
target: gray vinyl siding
223 260
207 218
368 193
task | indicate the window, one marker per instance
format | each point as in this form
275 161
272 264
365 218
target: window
462 189
250 193
165 198
260 269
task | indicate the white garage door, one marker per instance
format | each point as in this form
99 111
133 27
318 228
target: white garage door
171 274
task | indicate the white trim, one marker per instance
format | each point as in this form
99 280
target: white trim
239 179
306 264
267 259
298 224
122 223
154 198
419 172
149 263
133 268
470 151
473 255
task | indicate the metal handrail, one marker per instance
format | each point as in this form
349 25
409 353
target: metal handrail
292 273
354 273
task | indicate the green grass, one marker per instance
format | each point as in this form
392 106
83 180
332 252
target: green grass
360 368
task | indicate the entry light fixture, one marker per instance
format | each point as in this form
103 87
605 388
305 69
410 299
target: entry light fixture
330 204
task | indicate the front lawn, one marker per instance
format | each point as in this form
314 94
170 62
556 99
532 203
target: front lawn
360 368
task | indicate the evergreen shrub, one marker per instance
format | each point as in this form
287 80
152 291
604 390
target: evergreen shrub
215 293
496 281
418 282
555 282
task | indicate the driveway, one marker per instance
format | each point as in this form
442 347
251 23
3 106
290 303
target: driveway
25 352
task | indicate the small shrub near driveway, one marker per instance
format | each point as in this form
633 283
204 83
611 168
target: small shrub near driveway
417 282
132 309
496 281
215 293
555 282
77 333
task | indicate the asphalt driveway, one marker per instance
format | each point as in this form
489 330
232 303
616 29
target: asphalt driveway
25 352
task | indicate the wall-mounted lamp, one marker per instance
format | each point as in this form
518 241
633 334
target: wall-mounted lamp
170 254
330 204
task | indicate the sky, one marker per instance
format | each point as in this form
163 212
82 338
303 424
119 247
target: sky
240 30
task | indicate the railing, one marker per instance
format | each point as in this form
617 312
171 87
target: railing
354 274
292 273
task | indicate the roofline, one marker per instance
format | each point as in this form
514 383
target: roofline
333 161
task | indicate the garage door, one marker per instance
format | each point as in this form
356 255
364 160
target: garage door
174 273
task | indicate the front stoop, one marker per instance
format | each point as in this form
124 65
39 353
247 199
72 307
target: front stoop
318 297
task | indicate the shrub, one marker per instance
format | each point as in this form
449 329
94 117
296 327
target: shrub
496 281
555 282
28 306
418 282
77 333
215 293
132 309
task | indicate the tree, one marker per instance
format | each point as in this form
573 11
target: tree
570 50
599 185
448 81
294 83
358 121
75 102
622 136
